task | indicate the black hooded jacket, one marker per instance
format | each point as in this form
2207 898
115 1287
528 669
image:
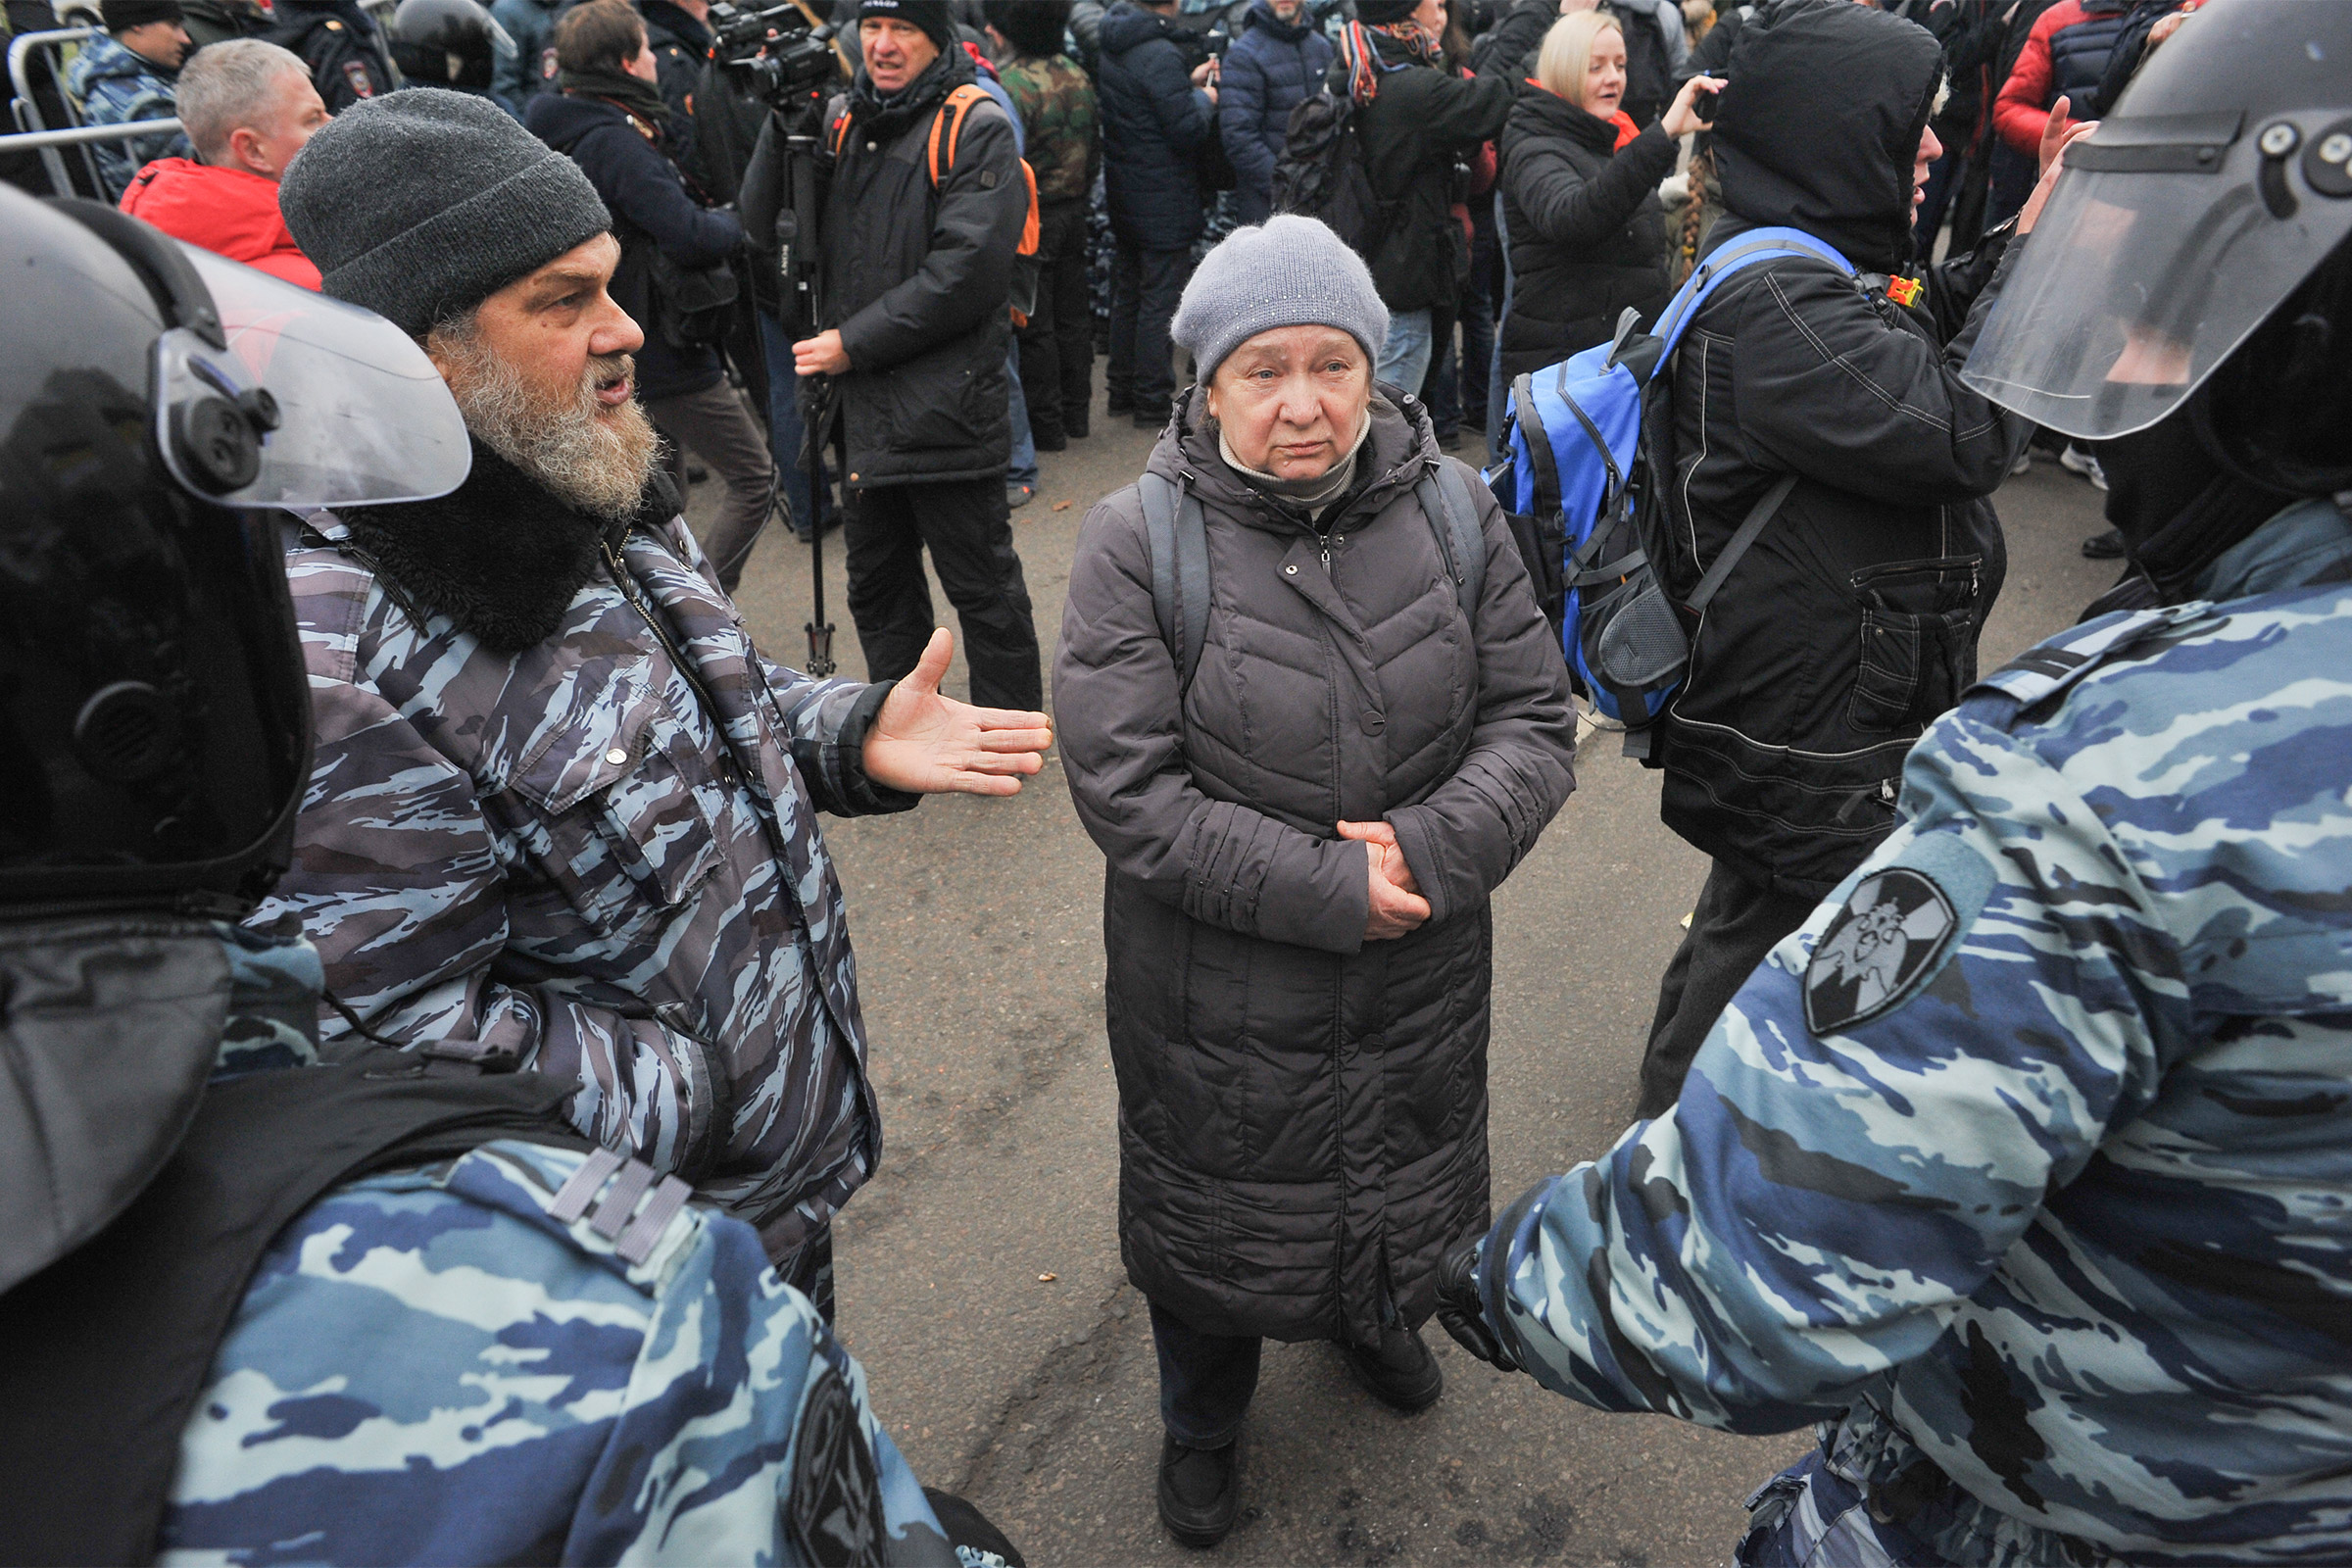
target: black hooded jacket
1854 621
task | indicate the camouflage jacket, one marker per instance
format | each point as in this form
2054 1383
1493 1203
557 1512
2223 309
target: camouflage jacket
557 859
115 88
456 1364
2032 1150
1060 135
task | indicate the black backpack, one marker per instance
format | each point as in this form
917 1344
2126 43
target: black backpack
1322 175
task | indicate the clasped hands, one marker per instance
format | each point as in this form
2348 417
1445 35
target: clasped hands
1397 905
927 743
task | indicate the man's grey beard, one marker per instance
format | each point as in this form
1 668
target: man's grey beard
594 459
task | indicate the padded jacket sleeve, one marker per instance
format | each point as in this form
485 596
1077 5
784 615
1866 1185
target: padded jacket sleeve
1116 699
967 267
1563 208
637 182
1826 386
2024 106
1184 112
1474 828
1240 119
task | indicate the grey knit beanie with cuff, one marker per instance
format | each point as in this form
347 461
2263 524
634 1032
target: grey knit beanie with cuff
421 204
1291 271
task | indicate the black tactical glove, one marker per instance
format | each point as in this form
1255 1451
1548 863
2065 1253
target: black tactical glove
1462 1312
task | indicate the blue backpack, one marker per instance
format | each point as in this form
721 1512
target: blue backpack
1577 486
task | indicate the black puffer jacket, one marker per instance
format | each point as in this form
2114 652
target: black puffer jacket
1419 125
1854 621
1154 123
1587 235
915 278
1303 1114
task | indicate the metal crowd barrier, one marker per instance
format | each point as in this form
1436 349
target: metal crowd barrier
33 131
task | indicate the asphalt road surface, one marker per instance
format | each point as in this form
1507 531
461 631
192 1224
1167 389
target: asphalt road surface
980 1280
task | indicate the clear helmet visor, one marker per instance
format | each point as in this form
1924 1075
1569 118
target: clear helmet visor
360 414
2138 281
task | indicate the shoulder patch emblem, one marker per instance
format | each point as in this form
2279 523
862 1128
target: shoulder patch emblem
835 1510
1888 936
356 72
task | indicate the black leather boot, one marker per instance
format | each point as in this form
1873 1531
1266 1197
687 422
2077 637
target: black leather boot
1200 1491
1401 1374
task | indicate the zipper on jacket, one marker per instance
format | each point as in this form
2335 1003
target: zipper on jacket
677 656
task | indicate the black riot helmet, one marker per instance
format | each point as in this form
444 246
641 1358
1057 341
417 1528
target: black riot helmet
2198 241
444 43
159 406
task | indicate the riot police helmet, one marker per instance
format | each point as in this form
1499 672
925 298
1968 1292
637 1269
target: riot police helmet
2202 226
444 43
161 410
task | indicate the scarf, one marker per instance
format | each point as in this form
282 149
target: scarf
1627 130
500 556
1360 53
887 115
1310 496
639 97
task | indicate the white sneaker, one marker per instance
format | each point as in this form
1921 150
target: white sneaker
2074 460
2023 465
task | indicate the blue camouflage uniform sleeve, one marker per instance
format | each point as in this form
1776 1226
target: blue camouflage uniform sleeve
824 721
432 1366
1873 1122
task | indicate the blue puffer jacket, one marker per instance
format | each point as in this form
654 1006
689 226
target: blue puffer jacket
1154 122
2078 50
1270 66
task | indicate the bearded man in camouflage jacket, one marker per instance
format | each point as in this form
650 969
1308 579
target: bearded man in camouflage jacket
562 817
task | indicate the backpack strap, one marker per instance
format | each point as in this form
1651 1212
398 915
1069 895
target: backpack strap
1754 524
950 121
1177 531
1444 498
1757 245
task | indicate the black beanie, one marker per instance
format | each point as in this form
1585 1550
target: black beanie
932 15
121 13
1381 13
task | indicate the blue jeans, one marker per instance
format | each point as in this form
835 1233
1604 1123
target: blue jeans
784 426
1404 357
1023 470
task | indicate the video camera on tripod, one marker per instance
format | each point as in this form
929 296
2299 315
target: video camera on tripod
786 55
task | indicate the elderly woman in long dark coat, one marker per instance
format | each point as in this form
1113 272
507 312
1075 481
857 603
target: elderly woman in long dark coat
1302 844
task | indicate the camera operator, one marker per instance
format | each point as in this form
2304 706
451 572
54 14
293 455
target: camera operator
913 275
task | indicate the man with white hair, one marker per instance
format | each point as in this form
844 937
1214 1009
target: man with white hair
247 107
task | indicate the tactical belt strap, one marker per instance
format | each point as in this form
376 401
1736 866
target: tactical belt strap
109 1347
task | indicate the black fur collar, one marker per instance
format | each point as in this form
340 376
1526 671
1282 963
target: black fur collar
500 554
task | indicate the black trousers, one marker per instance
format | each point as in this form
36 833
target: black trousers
969 529
1057 345
1145 287
1736 923
1206 1380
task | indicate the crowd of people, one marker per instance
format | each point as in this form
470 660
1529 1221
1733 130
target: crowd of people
433 1025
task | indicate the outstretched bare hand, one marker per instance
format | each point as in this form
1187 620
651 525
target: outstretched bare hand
927 743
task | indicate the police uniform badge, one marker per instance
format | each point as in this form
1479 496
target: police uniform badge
355 72
1884 941
835 1510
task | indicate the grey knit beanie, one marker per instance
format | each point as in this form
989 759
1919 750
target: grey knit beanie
421 204
1291 271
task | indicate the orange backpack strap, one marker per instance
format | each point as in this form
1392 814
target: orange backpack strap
950 118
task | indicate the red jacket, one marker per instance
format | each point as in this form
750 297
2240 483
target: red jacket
225 211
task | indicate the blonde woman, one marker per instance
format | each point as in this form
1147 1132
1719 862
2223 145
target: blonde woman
1580 195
